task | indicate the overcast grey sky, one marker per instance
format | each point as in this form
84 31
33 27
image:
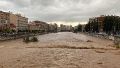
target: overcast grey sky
61 10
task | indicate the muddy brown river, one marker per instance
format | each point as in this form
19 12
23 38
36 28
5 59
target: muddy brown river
60 50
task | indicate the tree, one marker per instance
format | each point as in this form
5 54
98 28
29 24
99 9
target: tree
79 28
87 27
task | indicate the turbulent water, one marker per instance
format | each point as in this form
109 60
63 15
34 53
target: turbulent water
60 50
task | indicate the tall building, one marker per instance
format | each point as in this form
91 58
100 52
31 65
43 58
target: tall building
97 21
4 20
107 24
20 22
53 27
38 26
12 21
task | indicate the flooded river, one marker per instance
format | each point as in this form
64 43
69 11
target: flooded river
60 50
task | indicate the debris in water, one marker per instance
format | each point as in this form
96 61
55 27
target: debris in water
89 41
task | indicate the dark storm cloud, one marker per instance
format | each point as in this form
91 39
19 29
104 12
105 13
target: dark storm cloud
63 10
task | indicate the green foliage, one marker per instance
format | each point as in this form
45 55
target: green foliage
79 28
34 39
117 46
87 27
26 39
7 30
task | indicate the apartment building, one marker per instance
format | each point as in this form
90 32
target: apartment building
53 27
20 22
12 21
4 20
38 26
97 21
